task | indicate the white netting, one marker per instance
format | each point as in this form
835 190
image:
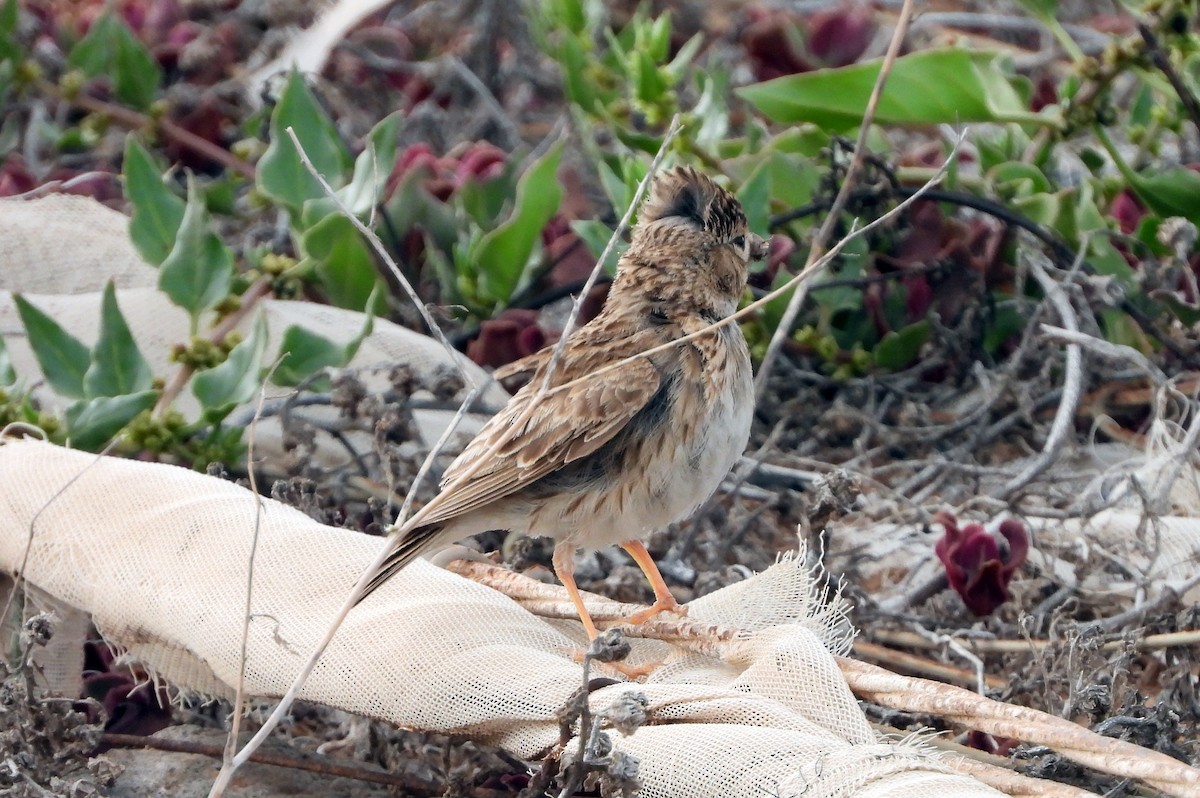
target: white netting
159 556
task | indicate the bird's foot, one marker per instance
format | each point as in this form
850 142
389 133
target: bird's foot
626 669
662 605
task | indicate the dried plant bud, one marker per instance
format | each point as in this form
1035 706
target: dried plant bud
628 713
38 630
609 646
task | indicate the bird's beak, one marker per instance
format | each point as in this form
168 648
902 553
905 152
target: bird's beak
759 247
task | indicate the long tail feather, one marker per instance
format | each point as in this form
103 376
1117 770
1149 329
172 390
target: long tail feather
413 544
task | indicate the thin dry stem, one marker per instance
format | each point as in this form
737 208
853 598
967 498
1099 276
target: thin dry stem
240 693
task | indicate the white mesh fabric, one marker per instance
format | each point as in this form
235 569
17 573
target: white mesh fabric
159 557
65 244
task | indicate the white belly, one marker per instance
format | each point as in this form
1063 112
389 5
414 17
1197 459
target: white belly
680 480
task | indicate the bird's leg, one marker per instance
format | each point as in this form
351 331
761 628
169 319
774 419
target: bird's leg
564 569
663 600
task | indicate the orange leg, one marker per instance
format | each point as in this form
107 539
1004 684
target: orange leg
564 569
663 600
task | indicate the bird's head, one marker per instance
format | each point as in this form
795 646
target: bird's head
693 233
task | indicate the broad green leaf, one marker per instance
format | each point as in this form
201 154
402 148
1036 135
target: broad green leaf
1006 324
1120 329
224 387
502 254
617 189
307 353
198 271
137 73
925 88
118 367
92 422
157 212
485 200
8 374
1021 179
650 84
373 166
839 296
281 175
1171 192
755 196
111 49
1188 314
10 50
899 348
343 262
1042 9
595 235
62 357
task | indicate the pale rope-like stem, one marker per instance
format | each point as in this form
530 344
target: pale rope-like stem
355 594
1105 349
906 693
382 253
1075 742
1072 390
782 332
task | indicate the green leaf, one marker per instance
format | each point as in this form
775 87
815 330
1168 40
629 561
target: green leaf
650 84
1006 324
157 212
92 422
343 263
281 175
839 296
595 235
224 387
62 357
925 88
111 49
8 374
307 353
198 271
10 50
1188 314
899 348
118 367
755 196
373 166
1021 179
502 254
1171 192
1042 9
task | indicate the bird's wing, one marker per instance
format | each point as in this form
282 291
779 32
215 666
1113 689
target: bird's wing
533 437
525 365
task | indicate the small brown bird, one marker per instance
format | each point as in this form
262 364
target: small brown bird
610 455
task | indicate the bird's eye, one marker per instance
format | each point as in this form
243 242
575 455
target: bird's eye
739 242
